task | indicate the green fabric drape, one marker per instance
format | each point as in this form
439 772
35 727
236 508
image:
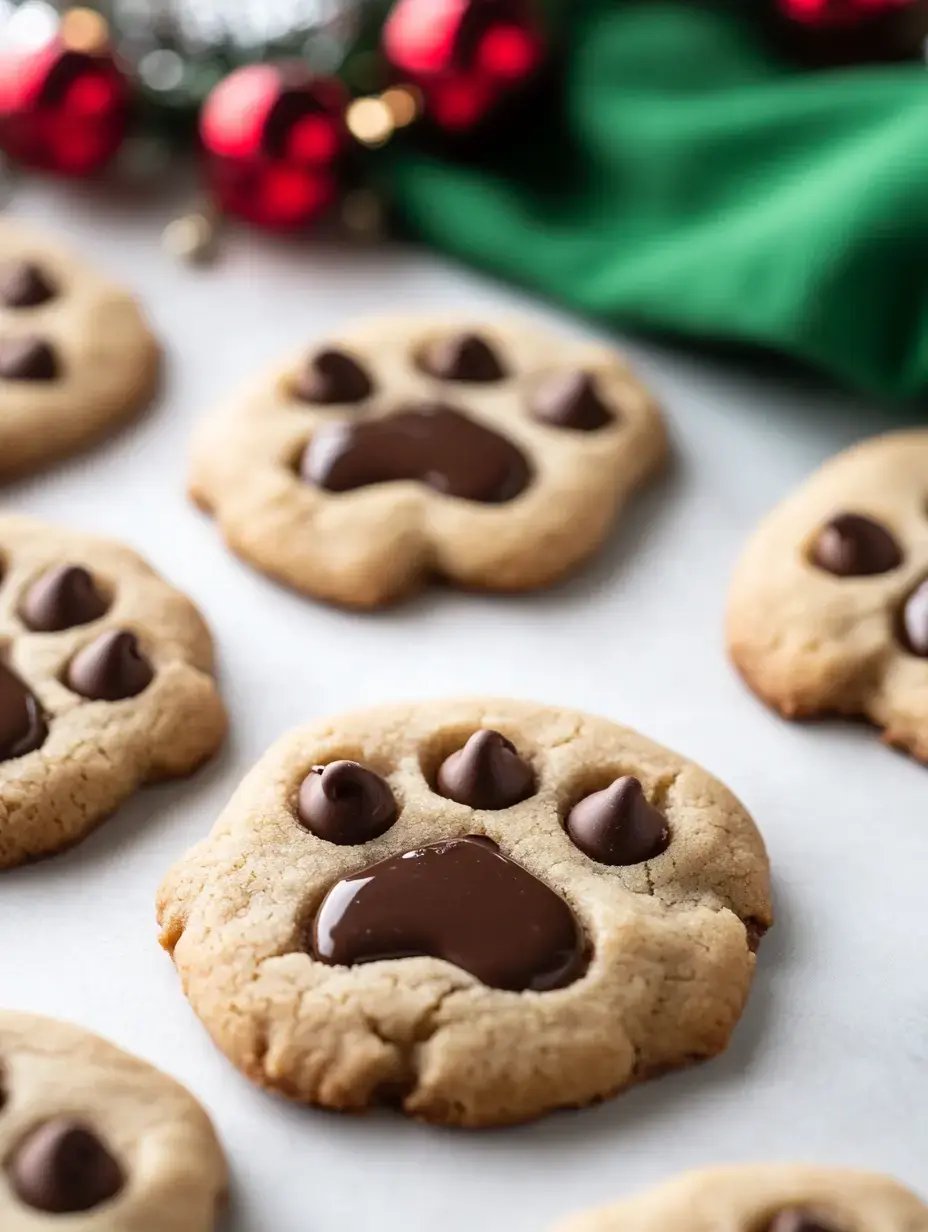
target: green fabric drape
687 180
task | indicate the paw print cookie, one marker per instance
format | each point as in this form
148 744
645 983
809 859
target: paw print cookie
763 1198
828 612
494 457
76 355
479 910
105 684
95 1140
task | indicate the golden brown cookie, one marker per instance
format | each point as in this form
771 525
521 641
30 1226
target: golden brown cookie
482 910
95 1140
105 684
495 456
828 611
77 357
763 1198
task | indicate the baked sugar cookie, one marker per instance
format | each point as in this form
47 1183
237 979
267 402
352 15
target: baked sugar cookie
76 355
96 1140
828 612
105 684
480 910
763 1198
493 456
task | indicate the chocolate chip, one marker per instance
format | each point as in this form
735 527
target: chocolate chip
915 621
794 1219
110 668
487 773
852 545
331 377
345 803
462 901
24 285
22 723
463 357
571 400
62 598
62 1167
618 825
435 444
27 358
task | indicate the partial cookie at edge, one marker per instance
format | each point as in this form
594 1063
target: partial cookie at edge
106 357
810 642
158 1140
747 1198
96 753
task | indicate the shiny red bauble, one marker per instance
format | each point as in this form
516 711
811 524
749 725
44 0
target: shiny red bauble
846 32
838 13
62 110
464 55
274 138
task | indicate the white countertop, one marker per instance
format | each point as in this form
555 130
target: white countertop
830 1063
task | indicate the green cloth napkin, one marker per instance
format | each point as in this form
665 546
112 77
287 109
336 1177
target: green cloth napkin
687 180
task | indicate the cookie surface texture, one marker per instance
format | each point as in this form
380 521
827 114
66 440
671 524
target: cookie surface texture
763 1198
106 684
77 358
97 1139
828 610
496 457
468 962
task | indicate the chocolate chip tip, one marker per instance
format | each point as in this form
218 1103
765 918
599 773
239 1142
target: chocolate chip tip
62 597
28 357
487 772
332 377
346 803
467 357
111 668
618 826
24 284
572 401
855 545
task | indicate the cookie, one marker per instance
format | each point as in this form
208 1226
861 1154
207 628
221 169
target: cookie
828 612
76 355
98 1137
105 684
478 910
764 1198
496 457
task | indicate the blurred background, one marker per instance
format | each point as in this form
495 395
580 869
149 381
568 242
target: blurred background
746 175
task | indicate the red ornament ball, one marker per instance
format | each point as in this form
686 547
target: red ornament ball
464 55
838 13
274 138
62 109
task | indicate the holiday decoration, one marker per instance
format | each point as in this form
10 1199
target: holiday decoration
852 31
64 105
464 55
275 139
840 12
280 133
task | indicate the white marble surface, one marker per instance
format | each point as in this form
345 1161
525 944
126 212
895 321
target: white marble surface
831 1060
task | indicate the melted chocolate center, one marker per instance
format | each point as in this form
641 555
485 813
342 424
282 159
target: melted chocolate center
463 901
432 443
